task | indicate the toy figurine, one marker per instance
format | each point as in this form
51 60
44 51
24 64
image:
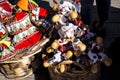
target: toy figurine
65 7
79 47
59 20
57 57
67 31
38 15
104 58
77 4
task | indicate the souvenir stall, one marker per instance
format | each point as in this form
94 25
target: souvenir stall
70 49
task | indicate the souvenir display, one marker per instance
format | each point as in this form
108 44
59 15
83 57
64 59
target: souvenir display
70 49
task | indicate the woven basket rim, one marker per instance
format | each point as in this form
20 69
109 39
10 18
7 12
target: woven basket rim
38 47
72 74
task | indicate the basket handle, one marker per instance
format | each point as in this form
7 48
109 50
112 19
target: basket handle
73 62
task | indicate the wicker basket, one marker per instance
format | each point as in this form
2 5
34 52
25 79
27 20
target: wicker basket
82 74
18 66
31 51
17 70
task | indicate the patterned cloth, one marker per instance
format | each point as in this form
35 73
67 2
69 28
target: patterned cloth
25 34
5 10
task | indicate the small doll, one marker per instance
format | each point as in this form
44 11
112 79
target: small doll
77 4
55 59
59 20
65 7
61 45
39 15
58 57
97 54
104 58
79 47
73 16
67 31
81 30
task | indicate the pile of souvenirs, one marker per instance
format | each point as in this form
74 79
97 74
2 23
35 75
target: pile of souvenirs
24 25
76 41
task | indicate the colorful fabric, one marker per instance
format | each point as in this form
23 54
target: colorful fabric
5 10
6 50
39 12
32 5
23 4
24 33
3 31
27 5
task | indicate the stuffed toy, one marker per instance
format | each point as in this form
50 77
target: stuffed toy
59 20
73 15
77 4
39 15
65 7
79 47
67 31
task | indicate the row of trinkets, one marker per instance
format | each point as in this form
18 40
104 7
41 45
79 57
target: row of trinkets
76 41
70 38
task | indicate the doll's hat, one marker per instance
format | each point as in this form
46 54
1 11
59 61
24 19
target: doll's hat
56 18
20 15
73 14
55 7
23 4
27 4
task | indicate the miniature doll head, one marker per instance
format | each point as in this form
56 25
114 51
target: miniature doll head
73 14
56 18
55 7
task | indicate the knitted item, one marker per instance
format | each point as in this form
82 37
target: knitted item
6 50
25 34
5 10
32 5
23 4
39 12
27 5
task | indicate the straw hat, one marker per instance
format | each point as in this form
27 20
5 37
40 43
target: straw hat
23 4
73 14
55 7
56 18
81 46
69 54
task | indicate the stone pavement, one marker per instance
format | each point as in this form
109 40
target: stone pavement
112 27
